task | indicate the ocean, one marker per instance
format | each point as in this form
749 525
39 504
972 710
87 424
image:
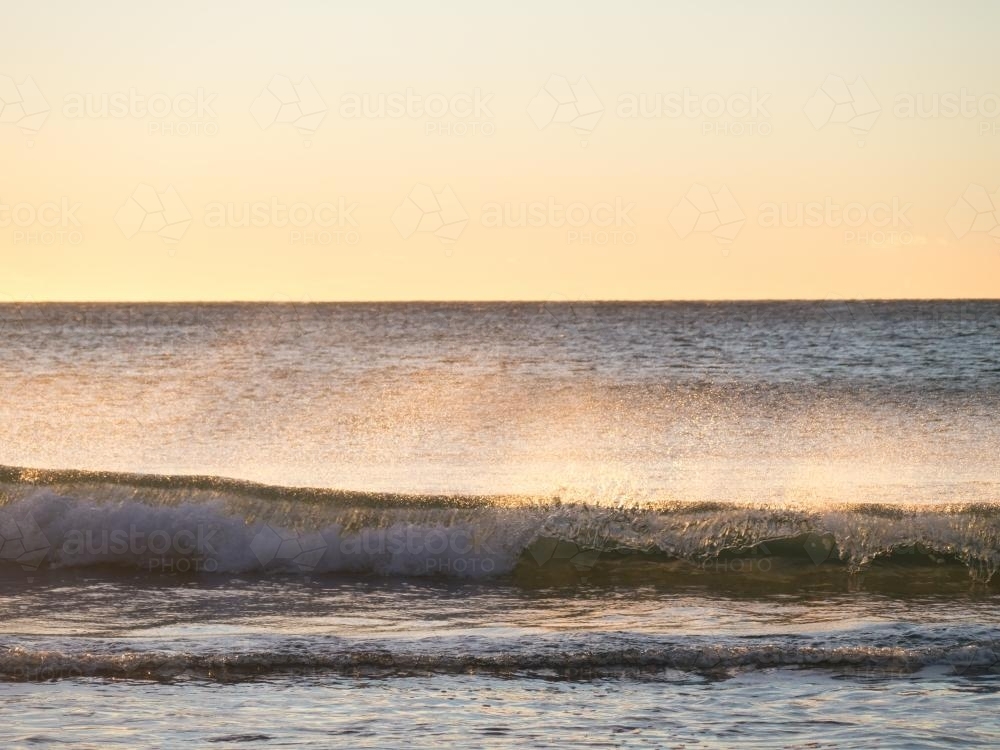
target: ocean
558 524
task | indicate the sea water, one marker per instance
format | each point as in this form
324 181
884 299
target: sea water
546 524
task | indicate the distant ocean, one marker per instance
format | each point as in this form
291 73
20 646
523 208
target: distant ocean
500 525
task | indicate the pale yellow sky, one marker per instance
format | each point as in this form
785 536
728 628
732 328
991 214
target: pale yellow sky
667 150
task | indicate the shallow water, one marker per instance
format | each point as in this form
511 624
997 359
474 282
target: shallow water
106 659
769 709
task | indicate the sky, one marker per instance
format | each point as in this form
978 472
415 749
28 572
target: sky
528 150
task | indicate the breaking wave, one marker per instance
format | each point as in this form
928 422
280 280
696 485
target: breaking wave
205 525
583 659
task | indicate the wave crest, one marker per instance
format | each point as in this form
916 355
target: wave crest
68 519
19 663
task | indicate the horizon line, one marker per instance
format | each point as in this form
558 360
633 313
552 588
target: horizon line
527 301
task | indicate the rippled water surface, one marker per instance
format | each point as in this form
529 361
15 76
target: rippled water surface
852 401
673 525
